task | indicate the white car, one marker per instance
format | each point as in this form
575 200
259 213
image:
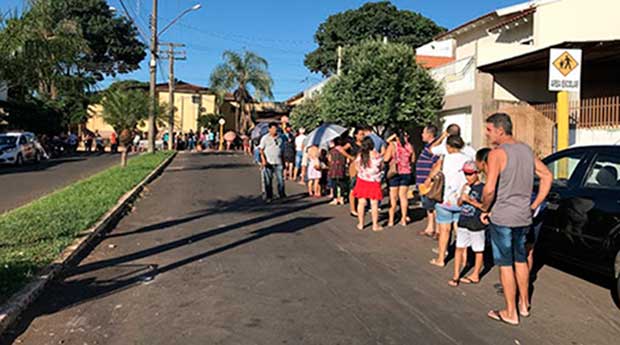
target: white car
20 147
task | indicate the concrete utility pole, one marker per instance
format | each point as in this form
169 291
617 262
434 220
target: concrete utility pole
339 68
172 56
153 81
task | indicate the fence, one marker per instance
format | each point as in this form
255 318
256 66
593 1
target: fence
589 113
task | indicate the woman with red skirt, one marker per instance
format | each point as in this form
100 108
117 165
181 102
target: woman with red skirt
368 186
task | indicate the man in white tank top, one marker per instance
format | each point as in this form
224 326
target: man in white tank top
509 186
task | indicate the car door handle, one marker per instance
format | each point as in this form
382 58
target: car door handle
555 197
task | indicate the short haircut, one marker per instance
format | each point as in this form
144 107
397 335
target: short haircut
455 141
432 129
501 120
365 128
454 129
273 124
482 155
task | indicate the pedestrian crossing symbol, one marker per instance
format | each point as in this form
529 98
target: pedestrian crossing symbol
565 63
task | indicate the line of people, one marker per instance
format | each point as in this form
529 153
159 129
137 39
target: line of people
474 197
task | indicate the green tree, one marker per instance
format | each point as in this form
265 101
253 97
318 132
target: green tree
382 86
57 50
242 73
209 121
371 21
307 114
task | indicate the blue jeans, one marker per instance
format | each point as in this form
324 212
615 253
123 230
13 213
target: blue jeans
508 244
268 171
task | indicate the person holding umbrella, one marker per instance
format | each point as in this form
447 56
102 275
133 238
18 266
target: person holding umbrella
270 148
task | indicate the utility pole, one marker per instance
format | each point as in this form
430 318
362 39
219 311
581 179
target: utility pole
339 68
172 56
153 81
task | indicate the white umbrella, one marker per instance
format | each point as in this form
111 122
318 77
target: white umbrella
322 135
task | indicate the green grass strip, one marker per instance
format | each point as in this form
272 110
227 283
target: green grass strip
32 236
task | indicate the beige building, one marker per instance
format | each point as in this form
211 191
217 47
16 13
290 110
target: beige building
472 90
190 102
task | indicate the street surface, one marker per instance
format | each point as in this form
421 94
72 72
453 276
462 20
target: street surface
201 260
21 185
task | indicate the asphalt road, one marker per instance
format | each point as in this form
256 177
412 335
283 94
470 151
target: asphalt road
201 260
21 185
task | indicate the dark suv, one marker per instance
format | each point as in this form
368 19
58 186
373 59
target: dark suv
581 224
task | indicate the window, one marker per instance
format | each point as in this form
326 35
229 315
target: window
22 140
604 173
563 168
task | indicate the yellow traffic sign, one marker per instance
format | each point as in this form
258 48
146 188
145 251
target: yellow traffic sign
565 63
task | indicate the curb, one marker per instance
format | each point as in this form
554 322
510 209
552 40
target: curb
21 300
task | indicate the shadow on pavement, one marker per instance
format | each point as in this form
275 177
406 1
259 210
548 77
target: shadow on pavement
240 204
43 165
70 293
210 167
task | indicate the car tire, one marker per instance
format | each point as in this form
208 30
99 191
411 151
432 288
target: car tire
19 160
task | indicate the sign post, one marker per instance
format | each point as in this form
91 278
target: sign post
222 122
564 77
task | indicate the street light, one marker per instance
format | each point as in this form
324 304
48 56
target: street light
193 8
153 68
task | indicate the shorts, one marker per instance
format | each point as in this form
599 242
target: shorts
298 157
466 238
428 204
400 180
508 244
445 216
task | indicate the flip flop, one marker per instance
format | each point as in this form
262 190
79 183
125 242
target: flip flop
526 314
424 233
453 283
377 229
358 228
354 215
495 315
434 262
467 280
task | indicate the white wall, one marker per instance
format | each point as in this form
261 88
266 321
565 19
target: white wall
576 20
437 48
597 136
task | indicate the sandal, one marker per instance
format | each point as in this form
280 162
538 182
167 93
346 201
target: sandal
352 214
525 314
453 282
379 229
467 280
437 263
360 228
424 233
495 315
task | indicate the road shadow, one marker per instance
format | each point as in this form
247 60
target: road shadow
246 204
41 166
210 167
65 294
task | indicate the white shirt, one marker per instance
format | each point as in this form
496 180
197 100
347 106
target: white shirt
442 150
454 177
299 142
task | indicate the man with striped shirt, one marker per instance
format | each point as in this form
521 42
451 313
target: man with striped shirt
423 167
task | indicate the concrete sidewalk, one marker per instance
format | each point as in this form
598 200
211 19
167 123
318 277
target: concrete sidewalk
202 260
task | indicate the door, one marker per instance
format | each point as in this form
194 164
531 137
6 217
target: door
568 169
596 232
25 148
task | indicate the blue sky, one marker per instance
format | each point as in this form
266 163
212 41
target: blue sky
280 30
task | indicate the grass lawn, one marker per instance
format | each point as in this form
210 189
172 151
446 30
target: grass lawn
32 236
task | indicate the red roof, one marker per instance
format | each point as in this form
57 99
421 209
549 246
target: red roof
432 61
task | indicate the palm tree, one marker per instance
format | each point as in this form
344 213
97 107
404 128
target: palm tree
238 74
125 110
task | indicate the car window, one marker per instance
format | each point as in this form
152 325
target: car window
30 138
22 140
605 173
564 167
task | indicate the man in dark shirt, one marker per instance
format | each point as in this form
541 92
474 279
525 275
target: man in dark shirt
423 167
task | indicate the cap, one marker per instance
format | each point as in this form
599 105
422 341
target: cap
470 167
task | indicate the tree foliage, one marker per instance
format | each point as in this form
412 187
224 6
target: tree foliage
243 74
307 114
57 50
371 21
209 121
383 87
